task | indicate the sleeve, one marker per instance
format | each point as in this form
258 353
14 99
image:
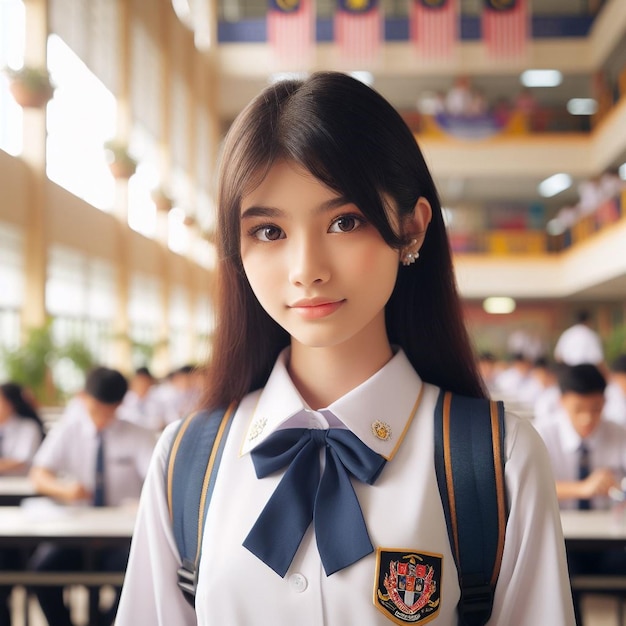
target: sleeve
53 450
150 594
28 441
534 584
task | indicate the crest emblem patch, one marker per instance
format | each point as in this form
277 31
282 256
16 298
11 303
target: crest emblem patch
408 585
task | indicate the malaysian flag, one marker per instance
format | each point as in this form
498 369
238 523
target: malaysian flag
358 28
505 25
434 27
291 30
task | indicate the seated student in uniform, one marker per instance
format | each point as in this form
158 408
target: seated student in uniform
94 458
588 456
21 432
140 404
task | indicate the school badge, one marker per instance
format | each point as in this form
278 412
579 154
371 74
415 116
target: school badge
408 585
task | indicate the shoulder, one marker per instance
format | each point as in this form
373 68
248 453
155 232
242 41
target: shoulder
522 438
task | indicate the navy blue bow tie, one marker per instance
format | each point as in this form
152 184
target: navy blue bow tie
302 496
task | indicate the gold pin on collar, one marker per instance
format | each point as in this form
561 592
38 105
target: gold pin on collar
381 430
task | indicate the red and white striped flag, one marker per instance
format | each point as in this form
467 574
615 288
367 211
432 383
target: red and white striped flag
506 29
434 27
291 30
358 26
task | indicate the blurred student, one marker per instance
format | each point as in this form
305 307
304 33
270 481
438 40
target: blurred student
548 402
580 343
588 453
92 458
21 432
510 380
21 429
178 394
588 456
615 393
140 404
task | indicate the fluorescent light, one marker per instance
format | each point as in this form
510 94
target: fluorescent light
499 305
554 184
622 171
541 78
582 106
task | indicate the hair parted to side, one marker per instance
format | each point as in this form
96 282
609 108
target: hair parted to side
353 141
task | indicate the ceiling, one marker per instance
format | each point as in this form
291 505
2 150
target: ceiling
243 81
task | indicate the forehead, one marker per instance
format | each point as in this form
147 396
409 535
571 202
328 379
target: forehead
283 180
584 401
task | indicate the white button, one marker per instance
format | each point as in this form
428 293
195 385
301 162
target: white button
298 582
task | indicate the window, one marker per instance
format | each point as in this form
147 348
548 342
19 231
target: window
81 117
12 34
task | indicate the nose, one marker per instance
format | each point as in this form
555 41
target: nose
308 262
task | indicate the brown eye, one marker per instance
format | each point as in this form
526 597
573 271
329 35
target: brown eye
268 233
345 224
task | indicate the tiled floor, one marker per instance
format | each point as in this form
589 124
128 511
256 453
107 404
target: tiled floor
599 610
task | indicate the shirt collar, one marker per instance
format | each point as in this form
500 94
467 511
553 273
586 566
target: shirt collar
378 411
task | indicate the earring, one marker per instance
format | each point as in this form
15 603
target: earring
409 257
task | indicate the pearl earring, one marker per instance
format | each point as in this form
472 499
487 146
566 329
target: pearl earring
409 257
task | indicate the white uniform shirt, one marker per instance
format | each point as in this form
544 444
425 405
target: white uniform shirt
579 344
607 448
20 439
403 511
146 411
615 405
69 450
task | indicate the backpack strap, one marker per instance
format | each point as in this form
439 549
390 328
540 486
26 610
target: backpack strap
192 467
469 462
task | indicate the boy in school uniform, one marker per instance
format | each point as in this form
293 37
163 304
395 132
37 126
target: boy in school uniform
615 393
588 456
94 459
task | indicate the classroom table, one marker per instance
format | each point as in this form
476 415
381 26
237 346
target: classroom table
14 489
88 528
594 530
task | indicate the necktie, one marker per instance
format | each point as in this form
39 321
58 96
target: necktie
583 472
99 491
303 497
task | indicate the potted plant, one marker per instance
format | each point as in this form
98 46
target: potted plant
121 163
162 200
30 86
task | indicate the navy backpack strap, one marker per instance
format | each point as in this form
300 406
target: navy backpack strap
191 471
469 462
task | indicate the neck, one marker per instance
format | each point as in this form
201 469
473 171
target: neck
323 375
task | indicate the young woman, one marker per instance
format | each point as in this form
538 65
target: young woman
337 312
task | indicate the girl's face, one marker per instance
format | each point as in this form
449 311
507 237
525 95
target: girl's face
315 265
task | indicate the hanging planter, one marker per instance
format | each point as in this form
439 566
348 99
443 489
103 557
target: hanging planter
162 200
121 163
30 86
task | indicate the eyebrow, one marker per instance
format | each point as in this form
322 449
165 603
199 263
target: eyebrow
268 211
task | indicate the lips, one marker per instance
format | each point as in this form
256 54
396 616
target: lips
316 308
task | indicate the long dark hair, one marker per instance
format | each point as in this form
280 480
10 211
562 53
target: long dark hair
15 395
352 140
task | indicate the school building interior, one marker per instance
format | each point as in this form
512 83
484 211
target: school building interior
107 181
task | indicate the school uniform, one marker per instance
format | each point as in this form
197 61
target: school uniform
606 445
579 344
402 510
615 405
19 439
70 449
144 411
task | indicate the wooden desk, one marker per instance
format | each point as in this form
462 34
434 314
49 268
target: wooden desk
13 489
90 529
